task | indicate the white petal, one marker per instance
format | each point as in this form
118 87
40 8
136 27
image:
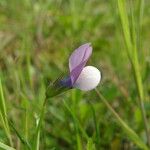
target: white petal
88 79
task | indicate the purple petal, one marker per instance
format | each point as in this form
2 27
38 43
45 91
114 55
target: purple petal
78 60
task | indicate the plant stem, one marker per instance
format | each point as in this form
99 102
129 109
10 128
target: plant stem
141 102
37 133
133 136
145 121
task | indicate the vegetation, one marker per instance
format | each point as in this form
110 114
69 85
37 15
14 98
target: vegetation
36 40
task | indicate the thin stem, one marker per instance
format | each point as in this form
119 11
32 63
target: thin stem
136 68
133 136
139 85
37 133
145 121
3 114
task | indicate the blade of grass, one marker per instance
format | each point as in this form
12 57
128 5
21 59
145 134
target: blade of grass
26 122
130 37
138 78
6 147
22 139
132 135
125 26
3 114
140 12
79 144
37 145
38 128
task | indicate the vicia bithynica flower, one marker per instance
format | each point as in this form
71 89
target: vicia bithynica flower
81 76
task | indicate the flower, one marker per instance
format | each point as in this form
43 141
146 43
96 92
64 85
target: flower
88 79
81 77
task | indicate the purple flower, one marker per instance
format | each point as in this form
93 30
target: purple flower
84 78
81 77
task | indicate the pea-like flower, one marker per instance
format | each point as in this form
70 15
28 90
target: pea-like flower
82 77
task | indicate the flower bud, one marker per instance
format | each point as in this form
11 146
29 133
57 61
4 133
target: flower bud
88 79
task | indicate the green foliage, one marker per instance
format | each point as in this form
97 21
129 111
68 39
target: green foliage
36 39
3 114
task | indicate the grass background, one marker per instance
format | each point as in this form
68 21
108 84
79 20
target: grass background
36 39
